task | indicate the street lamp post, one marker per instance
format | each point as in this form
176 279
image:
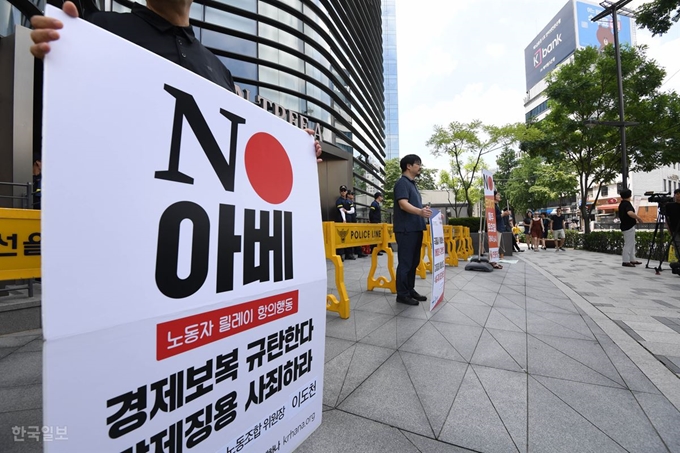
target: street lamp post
613 8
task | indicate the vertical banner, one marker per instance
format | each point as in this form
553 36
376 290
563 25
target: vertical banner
490 212
183 302
438 247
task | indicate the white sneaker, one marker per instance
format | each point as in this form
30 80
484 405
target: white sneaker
557 250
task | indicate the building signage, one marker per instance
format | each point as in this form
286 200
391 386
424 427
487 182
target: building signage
600 34
181 297
555 43
291 116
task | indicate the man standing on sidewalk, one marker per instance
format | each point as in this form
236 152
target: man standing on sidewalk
408 224
374 213
557 228
673 222
628 220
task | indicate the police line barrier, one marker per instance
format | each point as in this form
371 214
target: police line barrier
347 235
19 244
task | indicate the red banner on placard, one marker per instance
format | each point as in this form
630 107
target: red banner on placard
184 334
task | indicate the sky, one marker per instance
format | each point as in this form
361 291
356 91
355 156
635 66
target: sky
461 60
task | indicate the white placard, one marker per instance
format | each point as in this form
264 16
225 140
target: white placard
438 258
182 306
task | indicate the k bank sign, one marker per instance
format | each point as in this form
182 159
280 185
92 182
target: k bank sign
555 43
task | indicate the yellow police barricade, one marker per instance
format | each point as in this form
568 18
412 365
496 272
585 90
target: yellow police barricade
425 250
345 235
450 241
20 245
461 246
468 242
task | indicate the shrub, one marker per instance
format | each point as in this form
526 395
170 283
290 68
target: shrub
612 242
471 222
573 239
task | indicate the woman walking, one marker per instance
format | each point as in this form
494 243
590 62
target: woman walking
536 229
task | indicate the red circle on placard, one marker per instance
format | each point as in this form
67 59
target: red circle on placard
489 183
268 168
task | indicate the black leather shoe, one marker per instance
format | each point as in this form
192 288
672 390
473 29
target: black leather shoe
362 256
407 300
418 297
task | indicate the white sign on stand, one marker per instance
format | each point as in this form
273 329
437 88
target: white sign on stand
438 247
182 308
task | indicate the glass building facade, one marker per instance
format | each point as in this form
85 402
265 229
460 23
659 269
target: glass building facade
389 18
317 59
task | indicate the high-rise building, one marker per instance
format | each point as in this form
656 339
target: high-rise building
389 21
313 63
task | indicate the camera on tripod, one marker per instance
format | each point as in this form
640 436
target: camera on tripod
661 198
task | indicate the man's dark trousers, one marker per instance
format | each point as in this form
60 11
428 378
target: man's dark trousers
408 253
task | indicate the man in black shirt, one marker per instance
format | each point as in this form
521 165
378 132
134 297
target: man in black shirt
628 220
557 228
374 213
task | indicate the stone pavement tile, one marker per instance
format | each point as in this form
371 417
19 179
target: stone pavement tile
544 360
573 322
477 314
394 333
27 418
449 313
547 304
537 324
498 320
654 326
429 341
335 347
425 444
510 301
341 432
21 369
508 393
367 322
614 411
4 352
35 345
16 341
334 374
379 305
592 325
474 422
336 327
365 361
586 352
436 382
554 427
660 337
634 378
514 343
388 396
517 317
616 310
664 416
21 398
491 354
662 348
463 338
669 364
475 297
510 288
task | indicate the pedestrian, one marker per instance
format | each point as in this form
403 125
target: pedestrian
375 213
408 225
536 228
527 225
557 228
673 223
546 228
161 27
500 226
341 209
352 218
515 236
628 221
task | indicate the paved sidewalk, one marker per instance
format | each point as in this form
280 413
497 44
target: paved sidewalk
541 356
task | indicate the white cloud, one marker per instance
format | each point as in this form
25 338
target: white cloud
495 49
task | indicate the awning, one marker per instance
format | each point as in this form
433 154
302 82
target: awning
607 207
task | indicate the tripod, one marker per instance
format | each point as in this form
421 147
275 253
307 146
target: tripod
656 244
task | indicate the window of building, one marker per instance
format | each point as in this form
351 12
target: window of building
664 185
605 191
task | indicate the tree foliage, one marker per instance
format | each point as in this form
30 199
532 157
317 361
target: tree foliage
425 181
658 16
587 89
466 144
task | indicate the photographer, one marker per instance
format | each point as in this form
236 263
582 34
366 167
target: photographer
673 222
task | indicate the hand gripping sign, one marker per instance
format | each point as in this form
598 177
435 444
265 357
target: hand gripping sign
179 313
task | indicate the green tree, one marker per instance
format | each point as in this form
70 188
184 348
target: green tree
506 161
453 188
466 144
426 179
658 16
587 89
392 174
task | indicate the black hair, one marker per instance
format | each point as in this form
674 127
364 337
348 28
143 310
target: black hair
407 160
626 193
